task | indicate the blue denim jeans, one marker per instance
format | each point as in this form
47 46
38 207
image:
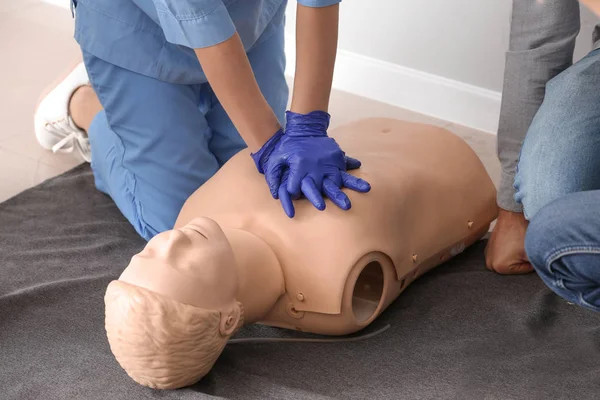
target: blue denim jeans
563 244
558 183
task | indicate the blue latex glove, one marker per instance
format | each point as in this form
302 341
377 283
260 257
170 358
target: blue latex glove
304 160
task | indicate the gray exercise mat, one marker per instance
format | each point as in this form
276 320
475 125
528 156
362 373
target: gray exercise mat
459 332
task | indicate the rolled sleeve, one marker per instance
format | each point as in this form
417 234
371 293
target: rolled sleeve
195 24
318 3
542 40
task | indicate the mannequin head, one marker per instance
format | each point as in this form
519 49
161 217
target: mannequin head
171 312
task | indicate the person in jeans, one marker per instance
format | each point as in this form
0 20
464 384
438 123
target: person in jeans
549 148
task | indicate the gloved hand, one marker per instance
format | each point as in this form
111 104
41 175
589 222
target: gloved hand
304 160
331 190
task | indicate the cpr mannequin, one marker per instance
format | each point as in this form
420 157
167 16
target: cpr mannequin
235 258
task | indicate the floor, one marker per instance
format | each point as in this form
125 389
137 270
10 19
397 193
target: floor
36 41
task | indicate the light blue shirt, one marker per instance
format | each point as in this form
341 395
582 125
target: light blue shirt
157 37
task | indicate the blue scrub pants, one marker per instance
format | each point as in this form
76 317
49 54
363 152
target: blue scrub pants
155 142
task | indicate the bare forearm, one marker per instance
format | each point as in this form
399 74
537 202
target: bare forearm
230 75
316 46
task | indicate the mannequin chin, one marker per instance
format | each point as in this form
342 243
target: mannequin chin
234 258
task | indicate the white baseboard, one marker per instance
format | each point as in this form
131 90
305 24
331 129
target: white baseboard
411 89
404 87
418 91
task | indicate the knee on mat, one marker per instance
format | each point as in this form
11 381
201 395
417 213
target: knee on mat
558 226
548 240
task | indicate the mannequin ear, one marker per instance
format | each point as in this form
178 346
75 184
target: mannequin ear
231 321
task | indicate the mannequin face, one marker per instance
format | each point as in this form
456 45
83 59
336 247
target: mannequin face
194 265
202 239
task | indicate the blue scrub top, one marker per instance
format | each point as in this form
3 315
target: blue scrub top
156 38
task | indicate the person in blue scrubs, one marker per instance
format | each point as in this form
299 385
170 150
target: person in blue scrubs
180 86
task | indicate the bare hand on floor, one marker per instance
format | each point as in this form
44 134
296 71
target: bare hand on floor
505 251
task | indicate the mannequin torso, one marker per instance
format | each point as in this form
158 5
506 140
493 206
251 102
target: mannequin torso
431 197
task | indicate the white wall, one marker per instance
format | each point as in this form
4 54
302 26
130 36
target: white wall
460 44
463 40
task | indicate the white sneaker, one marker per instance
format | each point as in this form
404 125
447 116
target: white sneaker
54 127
